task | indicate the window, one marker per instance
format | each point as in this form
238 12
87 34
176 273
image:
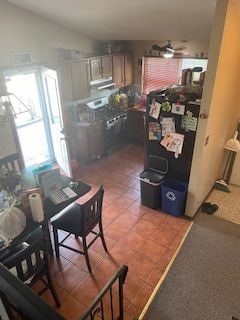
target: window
161 72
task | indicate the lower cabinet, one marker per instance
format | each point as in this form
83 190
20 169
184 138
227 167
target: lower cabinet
87 141
135 126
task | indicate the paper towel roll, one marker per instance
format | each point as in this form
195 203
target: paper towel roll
36 207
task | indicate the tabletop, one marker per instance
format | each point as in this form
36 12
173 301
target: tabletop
50 210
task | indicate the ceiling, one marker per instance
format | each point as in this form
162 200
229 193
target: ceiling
129 19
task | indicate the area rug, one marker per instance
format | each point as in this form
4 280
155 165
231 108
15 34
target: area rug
204 280
228 203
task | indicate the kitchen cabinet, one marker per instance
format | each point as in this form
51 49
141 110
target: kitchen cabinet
80 79
101 67
87 141
135 126
122 69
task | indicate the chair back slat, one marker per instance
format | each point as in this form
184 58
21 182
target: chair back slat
27 260
31 307
92 211
11 162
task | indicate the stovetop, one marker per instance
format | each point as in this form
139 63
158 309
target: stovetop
107 113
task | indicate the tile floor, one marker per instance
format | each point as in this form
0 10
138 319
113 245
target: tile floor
228 203
140 237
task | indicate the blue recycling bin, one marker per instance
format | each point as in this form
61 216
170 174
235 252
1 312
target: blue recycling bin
174 194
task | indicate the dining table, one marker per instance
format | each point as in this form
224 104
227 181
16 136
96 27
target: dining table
50 209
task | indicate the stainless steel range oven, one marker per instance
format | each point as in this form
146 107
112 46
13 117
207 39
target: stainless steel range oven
114 123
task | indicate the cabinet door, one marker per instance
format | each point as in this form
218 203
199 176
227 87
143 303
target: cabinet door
107 66
96 68
80 79
118 70
128 69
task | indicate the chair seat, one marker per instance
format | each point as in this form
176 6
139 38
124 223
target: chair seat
68 219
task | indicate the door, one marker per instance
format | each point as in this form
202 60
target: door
107 66
55 116
31 118
80 79
96 68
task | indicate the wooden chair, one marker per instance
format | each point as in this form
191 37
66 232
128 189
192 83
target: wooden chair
80 220
11 162
30 263
32 307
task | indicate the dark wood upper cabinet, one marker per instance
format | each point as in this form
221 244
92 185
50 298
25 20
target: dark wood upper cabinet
96 68
122 69
107 66
101 67
80 79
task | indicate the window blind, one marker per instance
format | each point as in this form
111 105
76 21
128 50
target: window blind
159 73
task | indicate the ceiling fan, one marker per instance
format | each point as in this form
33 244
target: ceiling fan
168 48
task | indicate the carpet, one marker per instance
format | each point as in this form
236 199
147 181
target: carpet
204 280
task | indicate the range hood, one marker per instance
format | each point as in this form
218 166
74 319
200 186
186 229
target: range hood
102 83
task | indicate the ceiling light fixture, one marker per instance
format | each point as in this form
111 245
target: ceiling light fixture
168 54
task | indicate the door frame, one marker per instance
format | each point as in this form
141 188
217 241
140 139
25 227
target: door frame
13 71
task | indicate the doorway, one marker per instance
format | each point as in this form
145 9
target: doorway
31 120
35 97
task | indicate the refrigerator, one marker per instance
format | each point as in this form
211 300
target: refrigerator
170 132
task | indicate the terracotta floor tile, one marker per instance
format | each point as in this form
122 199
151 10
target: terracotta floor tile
132 312
144 227
172 223
163 236
104 271
127 219
57 264
112 211
70 277
133 240
155 276
137 209
131 194
132 286
153 216
97 246
80 260
118 188
153 250
67 254
62 295
176 242
141 266
71 308
136 186
166 258
120 254
115 304
142 296
87 290
136 235
109 196
123 202
116 231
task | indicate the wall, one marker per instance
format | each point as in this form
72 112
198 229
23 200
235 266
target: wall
23 31
140 48
220 99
